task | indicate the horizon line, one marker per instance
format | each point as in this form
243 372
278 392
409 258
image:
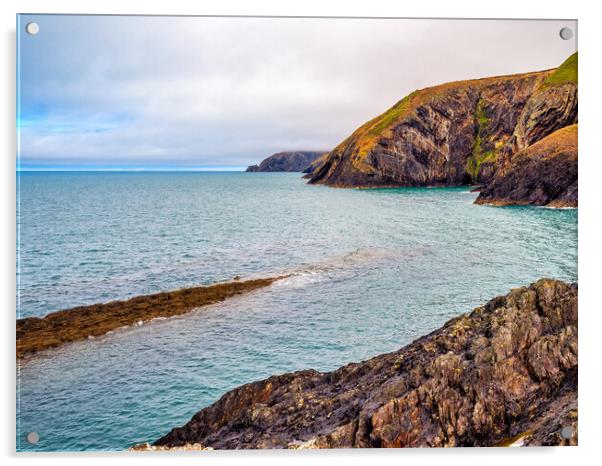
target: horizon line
242 169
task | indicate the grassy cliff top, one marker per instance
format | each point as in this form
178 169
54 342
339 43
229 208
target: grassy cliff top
565 73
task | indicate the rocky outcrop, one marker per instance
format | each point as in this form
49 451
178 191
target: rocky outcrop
287 162
505 373
551 107
36 334
454 134
544 173
315 165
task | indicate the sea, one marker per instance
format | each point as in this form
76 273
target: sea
369 271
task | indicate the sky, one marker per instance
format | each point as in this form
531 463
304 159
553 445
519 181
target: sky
199 93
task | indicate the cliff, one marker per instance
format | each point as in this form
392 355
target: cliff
287 162
505 373
551 107
456 133
315 165
544 173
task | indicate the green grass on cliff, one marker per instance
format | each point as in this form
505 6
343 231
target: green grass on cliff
387 119
366 136
479 156
473 165
565 73
363 140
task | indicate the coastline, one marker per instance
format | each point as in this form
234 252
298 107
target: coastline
36 334
504 374
509 203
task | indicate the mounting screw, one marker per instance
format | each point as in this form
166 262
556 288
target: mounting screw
566 33
32 28
566 432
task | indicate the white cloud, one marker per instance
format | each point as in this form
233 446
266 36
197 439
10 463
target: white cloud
233 90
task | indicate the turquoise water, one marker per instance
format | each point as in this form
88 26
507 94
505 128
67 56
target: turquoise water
371 271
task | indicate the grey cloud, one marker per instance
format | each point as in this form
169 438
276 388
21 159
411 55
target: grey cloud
232 90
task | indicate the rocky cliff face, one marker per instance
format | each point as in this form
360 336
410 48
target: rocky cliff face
315 165
551 107
506 372
287 162
454 134
544 173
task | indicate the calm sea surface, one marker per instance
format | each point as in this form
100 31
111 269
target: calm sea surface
372 270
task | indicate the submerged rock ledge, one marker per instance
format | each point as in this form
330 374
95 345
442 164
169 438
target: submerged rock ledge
36 334
506 373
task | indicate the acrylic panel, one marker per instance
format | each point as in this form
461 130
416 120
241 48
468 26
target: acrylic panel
260 233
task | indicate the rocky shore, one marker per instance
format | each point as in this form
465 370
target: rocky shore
36 334
458 133
504 374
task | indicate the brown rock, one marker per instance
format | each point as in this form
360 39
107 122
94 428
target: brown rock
315 166
505 373
456 133
544 173
551 107
548 110
434 136
57 328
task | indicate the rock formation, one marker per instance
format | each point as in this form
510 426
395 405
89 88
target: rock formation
287 162
505 373
454 134
315 165
57 328
551 107
544 173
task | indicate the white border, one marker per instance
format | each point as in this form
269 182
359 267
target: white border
589 216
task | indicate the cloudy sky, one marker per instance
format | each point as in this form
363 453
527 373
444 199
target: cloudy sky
99 92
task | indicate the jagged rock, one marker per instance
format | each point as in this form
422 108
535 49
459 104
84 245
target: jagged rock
544 173
453 134
505 373
287 162
551 107
188 447
315 165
